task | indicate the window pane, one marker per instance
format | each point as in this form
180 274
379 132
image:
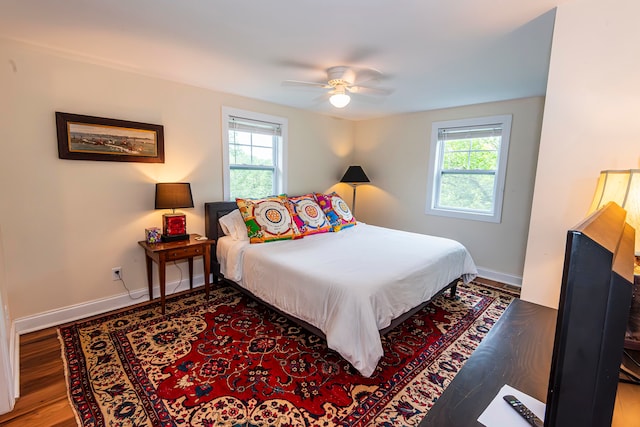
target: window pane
485 143
456 160
251 149
263 140
240 137
262 156
239 154
484 160
471 154
466 192
251 183
457 145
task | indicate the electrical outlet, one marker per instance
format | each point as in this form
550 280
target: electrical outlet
116 273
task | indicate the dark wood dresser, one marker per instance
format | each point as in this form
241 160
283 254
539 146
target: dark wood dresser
517 351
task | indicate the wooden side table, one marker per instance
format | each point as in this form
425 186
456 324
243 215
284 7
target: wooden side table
173 251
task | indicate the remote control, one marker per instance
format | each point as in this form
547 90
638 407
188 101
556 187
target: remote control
523 411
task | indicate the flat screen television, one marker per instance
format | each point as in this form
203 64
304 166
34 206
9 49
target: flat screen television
595 298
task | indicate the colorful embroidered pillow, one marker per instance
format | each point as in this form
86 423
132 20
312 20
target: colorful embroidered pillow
336 210
308 216
268 219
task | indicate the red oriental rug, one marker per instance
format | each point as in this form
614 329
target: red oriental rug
230 361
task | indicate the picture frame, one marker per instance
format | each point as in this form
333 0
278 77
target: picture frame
83 137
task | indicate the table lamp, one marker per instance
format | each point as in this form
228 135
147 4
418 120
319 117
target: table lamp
623 188
173 196
354 176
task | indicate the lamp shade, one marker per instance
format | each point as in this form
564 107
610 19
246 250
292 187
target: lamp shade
623 188
355 174
172 195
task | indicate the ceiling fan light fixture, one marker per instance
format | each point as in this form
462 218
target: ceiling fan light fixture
340 99
343 81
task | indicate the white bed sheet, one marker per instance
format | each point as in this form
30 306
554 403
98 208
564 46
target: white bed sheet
348 284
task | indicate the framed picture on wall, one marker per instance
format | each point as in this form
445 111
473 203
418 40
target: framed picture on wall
98 138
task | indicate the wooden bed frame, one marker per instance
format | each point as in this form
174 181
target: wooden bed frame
213 211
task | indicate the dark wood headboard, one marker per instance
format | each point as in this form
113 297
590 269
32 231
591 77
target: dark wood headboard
213 211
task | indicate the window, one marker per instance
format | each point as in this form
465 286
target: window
254 159
467 168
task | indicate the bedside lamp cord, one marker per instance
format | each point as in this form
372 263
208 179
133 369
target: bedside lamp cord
121 279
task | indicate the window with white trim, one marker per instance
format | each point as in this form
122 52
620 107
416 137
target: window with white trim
254 160
467 168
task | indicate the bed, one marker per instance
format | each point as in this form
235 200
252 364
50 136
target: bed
348 287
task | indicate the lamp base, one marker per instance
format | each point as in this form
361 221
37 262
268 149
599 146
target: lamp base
174 238
174 224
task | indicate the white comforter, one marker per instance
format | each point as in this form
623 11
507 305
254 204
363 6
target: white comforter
348 284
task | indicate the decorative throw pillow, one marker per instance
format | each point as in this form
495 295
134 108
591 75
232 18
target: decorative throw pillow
233 225
308 215
336 210
268 219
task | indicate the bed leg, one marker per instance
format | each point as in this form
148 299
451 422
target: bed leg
452 291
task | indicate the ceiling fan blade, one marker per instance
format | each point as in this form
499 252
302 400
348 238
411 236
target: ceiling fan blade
369 90
306 84
366 75
322 98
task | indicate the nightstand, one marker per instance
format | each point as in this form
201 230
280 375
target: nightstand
174 251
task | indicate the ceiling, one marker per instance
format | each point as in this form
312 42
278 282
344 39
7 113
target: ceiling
432 53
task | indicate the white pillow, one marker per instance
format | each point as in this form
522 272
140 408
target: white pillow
232 224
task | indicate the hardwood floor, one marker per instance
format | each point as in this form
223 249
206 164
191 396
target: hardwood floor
43 398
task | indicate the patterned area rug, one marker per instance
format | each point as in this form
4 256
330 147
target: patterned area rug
230 361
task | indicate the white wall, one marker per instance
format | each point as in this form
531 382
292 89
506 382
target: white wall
394 152
590 123
66 223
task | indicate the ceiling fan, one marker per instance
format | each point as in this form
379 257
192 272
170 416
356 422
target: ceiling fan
342 81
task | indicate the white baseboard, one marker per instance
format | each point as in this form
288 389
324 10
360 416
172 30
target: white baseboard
500 277
14 349
70 313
